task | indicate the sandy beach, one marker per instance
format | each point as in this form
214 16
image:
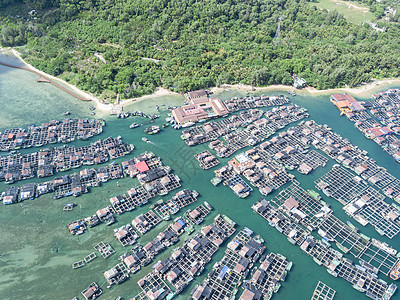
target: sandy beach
100 105
363 91
160 92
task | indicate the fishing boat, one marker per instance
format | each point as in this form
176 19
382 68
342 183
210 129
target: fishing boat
365 237
277 287
333 273
352 226
395 273
389 292
325 243
206 204
342 248
216 180
68 206
259 239
289 266
190 230
152 129
268 295
110 221
358 288
188 124
228 220
317 261
314 194
384 246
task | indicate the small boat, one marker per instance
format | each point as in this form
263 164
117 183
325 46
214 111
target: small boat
325 243
365 237
152 129
333 273
110 221
259 239
358 288
289 266
145 140
277 286
190 230
389 292
352 226
67 113
209 207
215 181
188 124
342 248
68 207
133 125
317 261
314 194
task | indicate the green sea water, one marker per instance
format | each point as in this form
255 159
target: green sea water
36 249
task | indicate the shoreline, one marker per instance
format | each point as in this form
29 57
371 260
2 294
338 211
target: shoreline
159 92
101 106
362 91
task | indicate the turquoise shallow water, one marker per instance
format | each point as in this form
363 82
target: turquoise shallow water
36 249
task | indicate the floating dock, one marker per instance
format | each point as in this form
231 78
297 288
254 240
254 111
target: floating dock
206 160
49 133
362 278
105 249
323 292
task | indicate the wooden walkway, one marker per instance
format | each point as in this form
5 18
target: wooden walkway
48 80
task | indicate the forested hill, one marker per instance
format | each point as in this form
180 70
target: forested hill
188 44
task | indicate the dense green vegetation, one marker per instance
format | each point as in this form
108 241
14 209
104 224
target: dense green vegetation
196 43
380 9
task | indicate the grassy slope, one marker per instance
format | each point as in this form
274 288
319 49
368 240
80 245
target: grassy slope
353 12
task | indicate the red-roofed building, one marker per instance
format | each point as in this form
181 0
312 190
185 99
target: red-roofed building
142 166
378 132
346 103
199 108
